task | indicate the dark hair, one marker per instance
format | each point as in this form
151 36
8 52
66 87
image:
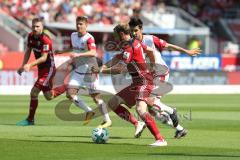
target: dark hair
122 28
82 18
35 20
134 21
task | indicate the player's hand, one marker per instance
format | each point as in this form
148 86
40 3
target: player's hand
194 52
74 55
20 70
27 67
95 70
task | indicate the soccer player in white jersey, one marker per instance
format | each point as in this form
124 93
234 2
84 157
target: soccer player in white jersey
159 109
83 53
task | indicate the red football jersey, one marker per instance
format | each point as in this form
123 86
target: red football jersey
41 45
133 55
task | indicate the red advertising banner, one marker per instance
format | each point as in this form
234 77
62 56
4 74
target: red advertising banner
230 62
233 77
10 62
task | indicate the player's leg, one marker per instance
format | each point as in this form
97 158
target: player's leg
103 108
141 108
72 94
115 103
161 107
55 92
32 108
48 91
74 84
126 96
160 115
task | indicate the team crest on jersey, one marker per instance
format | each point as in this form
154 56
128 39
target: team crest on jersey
138 45
126 55
45 47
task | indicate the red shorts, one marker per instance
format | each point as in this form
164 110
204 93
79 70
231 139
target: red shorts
45 78
135 92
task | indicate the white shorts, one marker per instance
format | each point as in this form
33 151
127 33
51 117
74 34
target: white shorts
86 81
162 86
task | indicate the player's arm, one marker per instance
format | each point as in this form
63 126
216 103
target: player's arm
149 52
113 66
111 62
38 61
77 53
161 44
64 51
25 60
91 52
46 48
118 68
192 52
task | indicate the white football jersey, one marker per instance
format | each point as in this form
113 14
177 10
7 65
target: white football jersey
156 44
82 44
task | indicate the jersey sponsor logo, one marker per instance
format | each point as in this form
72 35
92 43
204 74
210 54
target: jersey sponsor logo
126 55
93 45
138 45
45 47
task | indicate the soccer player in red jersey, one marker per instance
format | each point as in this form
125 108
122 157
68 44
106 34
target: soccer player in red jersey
160 109
41 45
132 58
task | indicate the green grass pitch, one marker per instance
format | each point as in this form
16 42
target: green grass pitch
213 122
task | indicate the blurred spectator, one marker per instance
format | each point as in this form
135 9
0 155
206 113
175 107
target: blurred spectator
98 11
110 11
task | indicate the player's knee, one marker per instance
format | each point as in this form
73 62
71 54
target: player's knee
34 94
140 110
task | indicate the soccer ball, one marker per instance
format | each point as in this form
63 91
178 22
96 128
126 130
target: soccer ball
100 135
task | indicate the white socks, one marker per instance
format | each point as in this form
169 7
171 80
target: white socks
104 110
81 104
163 107
179 127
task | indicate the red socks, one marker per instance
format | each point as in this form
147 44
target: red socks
151 125
32 108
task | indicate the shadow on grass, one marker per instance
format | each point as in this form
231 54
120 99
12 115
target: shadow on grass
74 136
163 151
77 142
